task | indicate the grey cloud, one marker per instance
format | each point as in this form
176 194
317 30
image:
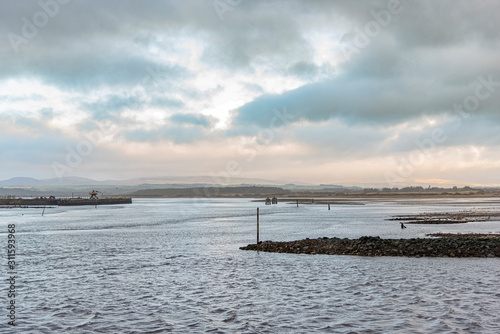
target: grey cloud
169 133
427 59
267 37
445 23
81 20
74 71
165 102
114 103
116 27
192 119
357 100
87 46
111 106
387 82
304 70
403 73
351 100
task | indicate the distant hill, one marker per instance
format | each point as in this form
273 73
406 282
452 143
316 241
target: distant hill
31 182
70 181
211 191
21 182
171 180
204 180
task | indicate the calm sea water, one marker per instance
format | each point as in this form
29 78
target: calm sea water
174 265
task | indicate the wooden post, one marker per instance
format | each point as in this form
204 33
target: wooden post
328 206
257 226
297 203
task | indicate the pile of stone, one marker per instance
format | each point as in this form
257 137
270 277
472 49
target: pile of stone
376 246
460 217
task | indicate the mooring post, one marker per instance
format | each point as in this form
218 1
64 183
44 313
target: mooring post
328 206
297 203
257 226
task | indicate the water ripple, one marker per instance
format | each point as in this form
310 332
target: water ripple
139 270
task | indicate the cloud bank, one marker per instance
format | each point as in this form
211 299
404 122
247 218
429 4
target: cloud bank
308 91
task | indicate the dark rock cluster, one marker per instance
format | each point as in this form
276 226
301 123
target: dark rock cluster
466 216
376 246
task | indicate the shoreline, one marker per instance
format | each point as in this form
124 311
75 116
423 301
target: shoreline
468 245
44 201
307 196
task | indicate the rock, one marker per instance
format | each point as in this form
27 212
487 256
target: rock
375 246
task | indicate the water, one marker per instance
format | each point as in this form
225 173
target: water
174 265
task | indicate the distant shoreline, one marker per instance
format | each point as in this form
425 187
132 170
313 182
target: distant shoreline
291 198
309 196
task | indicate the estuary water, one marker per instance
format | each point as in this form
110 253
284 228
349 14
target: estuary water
174 265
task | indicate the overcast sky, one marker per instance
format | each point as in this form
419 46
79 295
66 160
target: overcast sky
340 92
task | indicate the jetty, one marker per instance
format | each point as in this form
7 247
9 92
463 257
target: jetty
53 201
99 201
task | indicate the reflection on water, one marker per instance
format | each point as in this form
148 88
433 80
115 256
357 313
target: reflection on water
173 265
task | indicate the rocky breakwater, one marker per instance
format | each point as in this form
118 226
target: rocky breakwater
375 246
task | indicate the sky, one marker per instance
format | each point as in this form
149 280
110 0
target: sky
334 92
